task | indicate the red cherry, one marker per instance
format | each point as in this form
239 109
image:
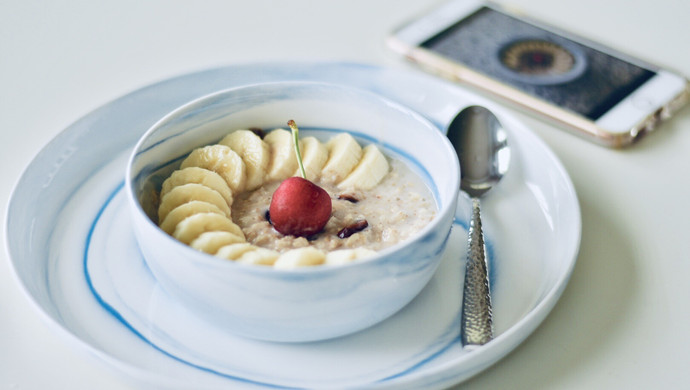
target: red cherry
299 207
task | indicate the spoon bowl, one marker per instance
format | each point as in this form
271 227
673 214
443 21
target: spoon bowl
482 147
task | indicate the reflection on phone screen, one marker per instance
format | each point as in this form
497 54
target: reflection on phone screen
540 63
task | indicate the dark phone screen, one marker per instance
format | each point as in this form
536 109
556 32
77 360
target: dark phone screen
540 63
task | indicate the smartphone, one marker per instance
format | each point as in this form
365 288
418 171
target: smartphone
597 92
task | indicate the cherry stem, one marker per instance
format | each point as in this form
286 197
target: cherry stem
295 139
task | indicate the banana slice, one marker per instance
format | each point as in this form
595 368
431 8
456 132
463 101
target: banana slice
343 155
198 175
234 251
191 227
222 160
344 256
254 152
248 254
185 210
372 168
314 157
300 257
283 159
211 242
259 256
187 193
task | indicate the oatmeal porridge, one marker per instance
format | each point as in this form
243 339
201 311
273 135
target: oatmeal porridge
393 211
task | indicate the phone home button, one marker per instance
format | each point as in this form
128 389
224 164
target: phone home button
642 102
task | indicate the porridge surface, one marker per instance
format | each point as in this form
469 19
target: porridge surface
396 209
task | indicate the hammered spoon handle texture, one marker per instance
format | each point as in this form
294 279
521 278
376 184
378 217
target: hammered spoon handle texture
477 322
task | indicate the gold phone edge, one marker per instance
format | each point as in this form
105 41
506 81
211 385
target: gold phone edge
576 124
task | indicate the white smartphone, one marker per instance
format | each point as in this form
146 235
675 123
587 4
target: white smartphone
600 93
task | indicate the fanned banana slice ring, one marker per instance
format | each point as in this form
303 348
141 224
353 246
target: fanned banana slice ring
196 199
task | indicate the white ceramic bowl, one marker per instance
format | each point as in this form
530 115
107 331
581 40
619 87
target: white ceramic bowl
311 303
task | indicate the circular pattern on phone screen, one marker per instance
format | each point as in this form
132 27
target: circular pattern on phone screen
538 61
537 57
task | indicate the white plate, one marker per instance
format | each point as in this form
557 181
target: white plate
72 249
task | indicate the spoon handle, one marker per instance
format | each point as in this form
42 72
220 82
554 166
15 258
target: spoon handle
476 299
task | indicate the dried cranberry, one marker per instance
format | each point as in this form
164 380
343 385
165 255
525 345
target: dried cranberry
358 226
348 197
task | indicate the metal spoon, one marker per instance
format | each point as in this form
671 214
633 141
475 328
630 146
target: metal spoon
481 144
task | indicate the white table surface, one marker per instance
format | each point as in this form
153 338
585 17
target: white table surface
623 320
